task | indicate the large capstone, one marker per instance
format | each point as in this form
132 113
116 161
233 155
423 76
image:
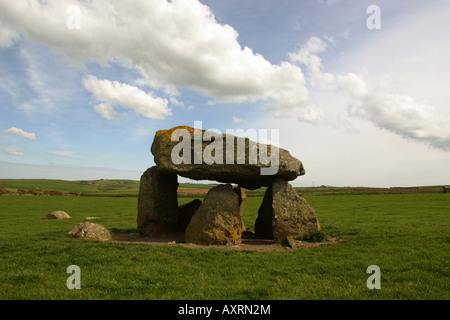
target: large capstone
207 155
284 213
157 203
218 220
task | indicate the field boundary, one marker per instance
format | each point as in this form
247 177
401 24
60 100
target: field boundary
130 188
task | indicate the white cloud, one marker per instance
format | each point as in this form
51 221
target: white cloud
308 52
107 111
117 93
68 154
13 152
171 44
175 102
7 36
179 43
397 113
63 153
343 124
404 116
19 132
238 120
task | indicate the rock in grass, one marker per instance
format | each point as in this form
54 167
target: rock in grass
89 230
218 220
58 215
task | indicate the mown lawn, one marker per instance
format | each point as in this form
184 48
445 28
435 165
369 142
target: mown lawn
407 236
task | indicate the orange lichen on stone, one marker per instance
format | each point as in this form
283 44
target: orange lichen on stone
236 236
170 131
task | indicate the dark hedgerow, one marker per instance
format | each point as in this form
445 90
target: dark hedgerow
315 236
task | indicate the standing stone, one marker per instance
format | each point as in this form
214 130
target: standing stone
187 211
218 220
284 213
157 203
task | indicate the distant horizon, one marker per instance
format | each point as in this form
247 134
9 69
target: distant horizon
92 174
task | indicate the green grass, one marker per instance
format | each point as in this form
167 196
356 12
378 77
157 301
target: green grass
407 236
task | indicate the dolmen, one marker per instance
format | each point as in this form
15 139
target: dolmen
236 162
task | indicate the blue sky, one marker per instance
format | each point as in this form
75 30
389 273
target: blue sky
82 93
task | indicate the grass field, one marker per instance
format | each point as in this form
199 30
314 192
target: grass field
130 188
406 235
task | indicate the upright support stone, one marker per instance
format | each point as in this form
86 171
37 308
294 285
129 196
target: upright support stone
284 213
157 203
218 220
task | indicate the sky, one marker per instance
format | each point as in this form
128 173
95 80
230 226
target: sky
358 90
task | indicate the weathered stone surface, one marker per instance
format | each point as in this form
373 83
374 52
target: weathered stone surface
157 203
186 213
285 213
244 174
57 215
243 201
291 242
92 231
218 220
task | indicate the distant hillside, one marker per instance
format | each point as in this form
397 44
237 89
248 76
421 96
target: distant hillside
328 190
84 186
106 187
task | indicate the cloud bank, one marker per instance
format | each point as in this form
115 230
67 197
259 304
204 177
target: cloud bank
399 114
179 44
172 44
